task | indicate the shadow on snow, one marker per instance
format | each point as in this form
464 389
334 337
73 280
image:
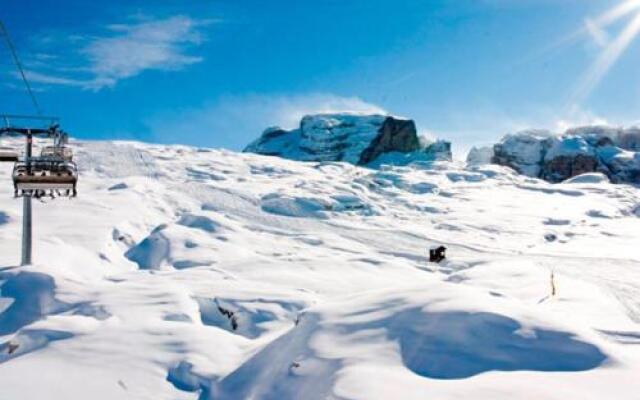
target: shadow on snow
457 345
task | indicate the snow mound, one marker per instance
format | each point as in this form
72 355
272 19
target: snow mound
152 251
192 241
593 178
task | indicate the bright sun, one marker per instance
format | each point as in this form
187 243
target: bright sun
612 49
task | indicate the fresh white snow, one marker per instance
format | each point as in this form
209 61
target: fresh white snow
185 273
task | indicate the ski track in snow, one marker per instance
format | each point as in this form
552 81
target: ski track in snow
184 273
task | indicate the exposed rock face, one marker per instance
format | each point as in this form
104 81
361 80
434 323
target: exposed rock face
623 166
523 151
540 154
563 167
567 157
626 139
357 139
440 150
393 135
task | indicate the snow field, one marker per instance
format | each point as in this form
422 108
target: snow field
183 273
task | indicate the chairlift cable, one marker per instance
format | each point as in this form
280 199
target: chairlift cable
53 172
16 60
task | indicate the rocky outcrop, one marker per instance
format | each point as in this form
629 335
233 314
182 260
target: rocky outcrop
566 157
555 158
625 138
561 168
357 139
523 151
394 135
440 150
623 166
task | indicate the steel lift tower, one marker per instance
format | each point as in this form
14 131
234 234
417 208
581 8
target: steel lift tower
52 173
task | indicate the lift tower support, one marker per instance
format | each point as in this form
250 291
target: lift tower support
27 222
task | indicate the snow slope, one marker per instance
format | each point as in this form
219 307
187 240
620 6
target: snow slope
184 273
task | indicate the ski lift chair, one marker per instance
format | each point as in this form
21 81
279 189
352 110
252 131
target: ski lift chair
57 152
41 176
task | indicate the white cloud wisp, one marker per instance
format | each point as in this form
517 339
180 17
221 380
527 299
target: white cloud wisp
128 50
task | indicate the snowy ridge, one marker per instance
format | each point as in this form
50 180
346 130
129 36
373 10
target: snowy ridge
184 273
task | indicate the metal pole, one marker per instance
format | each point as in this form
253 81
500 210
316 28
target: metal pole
26 210
26 230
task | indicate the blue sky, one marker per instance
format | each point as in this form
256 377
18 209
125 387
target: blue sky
215 73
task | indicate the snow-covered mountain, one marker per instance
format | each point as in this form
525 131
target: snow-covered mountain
614 152
356 139
185 273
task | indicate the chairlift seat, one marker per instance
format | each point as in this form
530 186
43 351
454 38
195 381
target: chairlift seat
45 176
57 152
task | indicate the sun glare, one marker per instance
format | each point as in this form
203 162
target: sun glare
612 50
